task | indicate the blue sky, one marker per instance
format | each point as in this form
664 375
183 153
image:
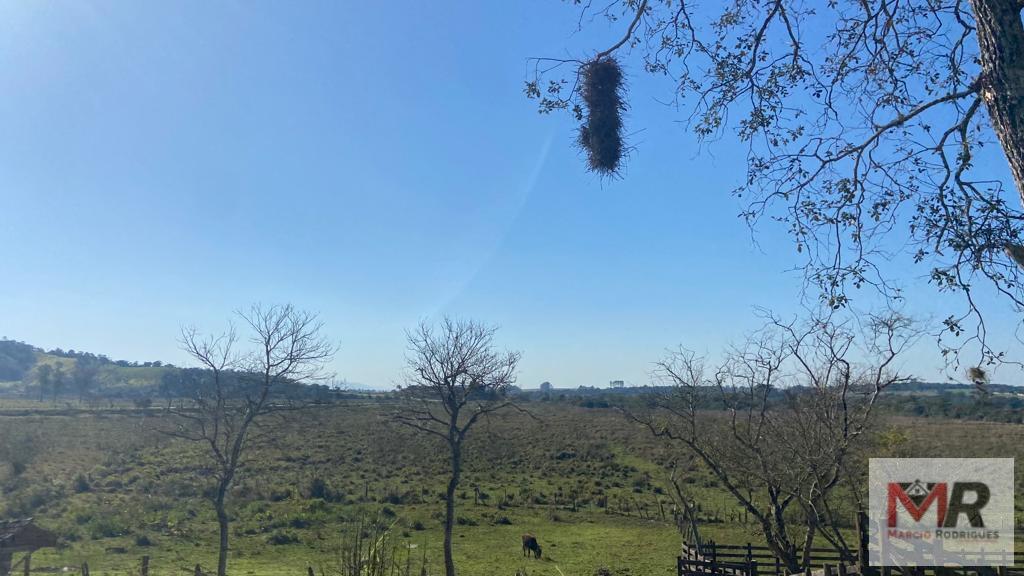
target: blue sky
165 163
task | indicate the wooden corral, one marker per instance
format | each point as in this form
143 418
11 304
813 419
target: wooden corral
749 560
21 537
712 559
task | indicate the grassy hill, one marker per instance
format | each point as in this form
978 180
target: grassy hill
20 363
95 380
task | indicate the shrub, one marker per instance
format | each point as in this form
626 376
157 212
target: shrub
299 523
279 495
106 527
318 488
282 537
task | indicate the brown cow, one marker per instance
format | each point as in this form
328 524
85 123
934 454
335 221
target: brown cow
530 545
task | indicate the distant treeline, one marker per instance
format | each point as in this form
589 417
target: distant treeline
997 403
55 374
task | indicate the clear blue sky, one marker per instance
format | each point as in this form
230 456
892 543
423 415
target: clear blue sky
163 163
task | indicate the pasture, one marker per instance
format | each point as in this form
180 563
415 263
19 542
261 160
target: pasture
589 484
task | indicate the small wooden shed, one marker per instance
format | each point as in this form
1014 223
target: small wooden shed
22 537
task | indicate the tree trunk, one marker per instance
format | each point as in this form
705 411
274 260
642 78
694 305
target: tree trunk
1001 43
449 508
222 522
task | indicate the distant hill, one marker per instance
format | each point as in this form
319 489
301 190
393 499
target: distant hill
16 360
28 371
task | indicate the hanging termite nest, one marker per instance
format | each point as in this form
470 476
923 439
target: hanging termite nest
978 376
600 136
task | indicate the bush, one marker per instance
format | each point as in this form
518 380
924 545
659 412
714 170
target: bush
280 495
143 541
82 484
282 537
106 527
299 523
318 488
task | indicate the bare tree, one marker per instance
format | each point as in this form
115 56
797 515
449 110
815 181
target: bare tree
863 120
777 419
454 377
287 348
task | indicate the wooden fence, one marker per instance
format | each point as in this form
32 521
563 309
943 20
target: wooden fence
757 560
748 560
710 558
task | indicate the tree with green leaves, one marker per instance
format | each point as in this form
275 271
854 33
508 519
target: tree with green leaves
51 380
862 121
85 376
43 377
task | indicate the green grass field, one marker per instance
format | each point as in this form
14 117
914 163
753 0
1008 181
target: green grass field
590 485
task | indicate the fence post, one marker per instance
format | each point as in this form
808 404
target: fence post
828 569
862 541
309 571
199 570
752 568
28 563
714 557
842 569
145 566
